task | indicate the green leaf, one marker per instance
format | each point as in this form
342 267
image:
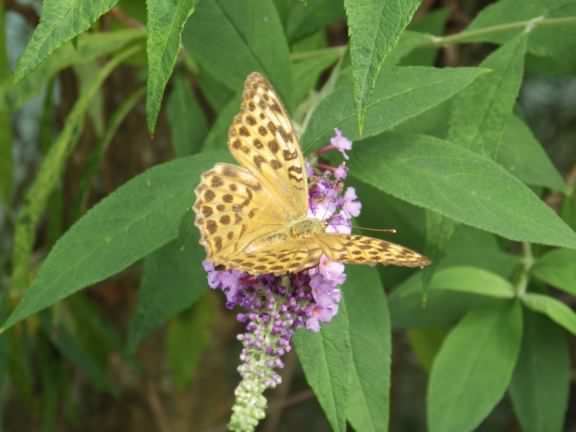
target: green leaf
230 39
139 217
95 159
409 42
450 293
374 28
49 175
432 23
188 337
326 359
541 382
557 41
472 280
87 49
60 22
524 156
460 184
5 126
557 268
187 121
557 311
307 68
370 338
426 343
568 209
439 231
173 281
304 18
134 8
218 136
166 19
216 93
93 330
472 247
399 94
68 345
473 368
479 113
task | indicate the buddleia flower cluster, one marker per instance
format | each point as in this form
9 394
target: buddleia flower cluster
272 307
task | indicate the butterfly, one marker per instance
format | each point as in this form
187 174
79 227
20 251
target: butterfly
253 216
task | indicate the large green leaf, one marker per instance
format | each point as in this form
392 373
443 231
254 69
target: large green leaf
230 39
473 368
479 113
173 280
61 21
525 157
326 359
557 311
374 27
399 94
49 174
166 19
541 382
459 184
5 127
133 221
370 338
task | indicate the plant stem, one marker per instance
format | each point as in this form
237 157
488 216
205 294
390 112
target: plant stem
529 25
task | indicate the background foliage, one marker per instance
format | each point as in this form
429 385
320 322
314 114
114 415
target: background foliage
463 118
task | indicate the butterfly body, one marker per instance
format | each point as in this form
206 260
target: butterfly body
254 217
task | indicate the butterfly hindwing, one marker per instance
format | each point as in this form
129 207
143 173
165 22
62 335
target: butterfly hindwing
290 256
232 209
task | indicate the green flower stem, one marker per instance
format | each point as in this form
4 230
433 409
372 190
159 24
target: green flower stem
250 404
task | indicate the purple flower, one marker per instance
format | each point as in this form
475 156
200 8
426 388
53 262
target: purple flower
332 270
350 203
341 143
341 171
274 307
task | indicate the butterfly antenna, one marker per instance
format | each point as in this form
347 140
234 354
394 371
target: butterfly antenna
386 230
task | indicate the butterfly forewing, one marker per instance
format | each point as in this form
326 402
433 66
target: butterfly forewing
262 139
